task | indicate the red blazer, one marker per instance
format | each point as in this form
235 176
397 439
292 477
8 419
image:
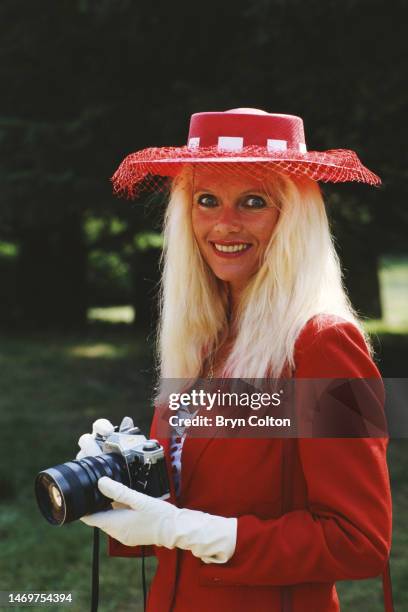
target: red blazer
340 525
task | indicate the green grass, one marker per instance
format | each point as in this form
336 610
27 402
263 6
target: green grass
112 314
394 297
394 290
52 388
364 595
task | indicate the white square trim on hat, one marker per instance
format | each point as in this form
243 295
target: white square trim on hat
230 143
194 143
276 145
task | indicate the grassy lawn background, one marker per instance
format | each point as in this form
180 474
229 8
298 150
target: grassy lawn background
54 386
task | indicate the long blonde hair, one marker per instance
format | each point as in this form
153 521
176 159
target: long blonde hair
299 278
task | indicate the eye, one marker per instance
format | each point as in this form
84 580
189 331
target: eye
207 200
254 201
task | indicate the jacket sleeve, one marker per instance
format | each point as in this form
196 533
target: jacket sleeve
345 530
116 549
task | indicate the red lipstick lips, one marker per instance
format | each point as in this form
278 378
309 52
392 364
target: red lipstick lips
230 254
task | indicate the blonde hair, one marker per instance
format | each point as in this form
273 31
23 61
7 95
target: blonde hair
299 278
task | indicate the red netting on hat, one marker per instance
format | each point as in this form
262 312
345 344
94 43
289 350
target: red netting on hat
151 168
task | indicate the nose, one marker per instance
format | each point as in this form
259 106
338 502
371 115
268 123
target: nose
228 220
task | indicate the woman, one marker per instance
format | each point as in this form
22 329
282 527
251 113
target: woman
252 289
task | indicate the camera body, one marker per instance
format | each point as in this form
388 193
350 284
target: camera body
70 490
143 458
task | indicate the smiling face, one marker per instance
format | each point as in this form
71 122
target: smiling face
233 220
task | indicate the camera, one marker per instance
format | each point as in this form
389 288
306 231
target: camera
68 491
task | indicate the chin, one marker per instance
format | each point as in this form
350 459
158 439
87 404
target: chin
232 274
231 278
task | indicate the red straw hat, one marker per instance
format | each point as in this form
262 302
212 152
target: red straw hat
241 139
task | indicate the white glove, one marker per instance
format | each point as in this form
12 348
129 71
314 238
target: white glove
87 443
149 520
89 446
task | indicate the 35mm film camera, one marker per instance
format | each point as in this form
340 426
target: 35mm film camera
68 491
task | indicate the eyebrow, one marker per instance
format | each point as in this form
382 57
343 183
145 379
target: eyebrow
248 192
200 189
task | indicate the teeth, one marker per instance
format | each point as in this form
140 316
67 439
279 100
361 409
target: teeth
231 249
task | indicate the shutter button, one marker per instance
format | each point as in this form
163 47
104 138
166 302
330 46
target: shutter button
151 445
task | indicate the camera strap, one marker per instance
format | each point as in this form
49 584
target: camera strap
144 578
95 571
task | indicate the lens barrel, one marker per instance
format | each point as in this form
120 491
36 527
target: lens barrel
68 491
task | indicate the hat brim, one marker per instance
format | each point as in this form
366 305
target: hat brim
335 165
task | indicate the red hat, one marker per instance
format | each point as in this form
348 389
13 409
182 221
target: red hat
238 139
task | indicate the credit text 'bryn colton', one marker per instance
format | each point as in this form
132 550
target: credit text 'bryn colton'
201 398
220 421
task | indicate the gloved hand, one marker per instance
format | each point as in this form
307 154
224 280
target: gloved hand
148 520
89 446
87 443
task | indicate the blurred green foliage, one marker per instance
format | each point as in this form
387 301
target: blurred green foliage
86 82
108 276
8 249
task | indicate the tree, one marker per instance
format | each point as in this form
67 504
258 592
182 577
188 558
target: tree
87 82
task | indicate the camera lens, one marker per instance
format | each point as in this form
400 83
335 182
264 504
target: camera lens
55 496
67 491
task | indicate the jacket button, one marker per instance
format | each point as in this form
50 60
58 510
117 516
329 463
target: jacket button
216 579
